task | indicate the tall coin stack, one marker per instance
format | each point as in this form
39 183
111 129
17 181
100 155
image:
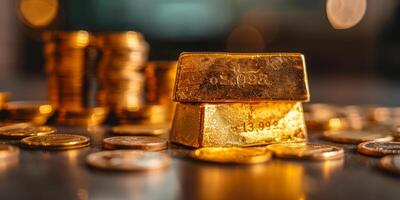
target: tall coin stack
160 78
68 77
120 72
229 99
65 54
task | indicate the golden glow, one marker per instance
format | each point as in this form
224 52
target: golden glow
38 13
45 109
336 124
331 166
237 124
344 14
274 180
81 39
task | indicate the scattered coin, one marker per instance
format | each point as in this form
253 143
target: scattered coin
56 141
344 14
8 151
374 148
128 160
231 155
390 163
356 137
306 151
21 130
135 142
140 129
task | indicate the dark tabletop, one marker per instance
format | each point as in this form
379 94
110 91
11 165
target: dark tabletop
42 174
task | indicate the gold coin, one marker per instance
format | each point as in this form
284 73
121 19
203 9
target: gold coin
141 129
344 14
38 13
356 137
21 130
128 160
8 151
390 163
375 148
306 151
231 155
135 142
56 141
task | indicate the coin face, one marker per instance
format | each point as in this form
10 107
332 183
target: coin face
8 151
344 14
390 164
135 142
356 137
234 155
306 151
128 160
21 130
140 129
379 148
56 141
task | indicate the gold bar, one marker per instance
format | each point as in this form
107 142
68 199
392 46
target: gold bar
237 124
234 77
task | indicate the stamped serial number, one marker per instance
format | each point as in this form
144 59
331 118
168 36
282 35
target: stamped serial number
253 126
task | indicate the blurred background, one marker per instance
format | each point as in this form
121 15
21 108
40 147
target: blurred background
359 65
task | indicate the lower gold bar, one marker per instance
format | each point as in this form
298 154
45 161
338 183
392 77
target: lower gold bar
237 124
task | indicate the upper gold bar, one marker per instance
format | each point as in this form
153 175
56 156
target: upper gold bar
241 77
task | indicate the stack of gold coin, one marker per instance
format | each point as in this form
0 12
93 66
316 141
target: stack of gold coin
69 77
65 54
239 99
120 71
160 79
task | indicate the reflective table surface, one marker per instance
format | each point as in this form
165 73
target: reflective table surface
39 174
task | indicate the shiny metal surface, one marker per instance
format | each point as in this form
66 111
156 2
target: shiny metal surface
64 175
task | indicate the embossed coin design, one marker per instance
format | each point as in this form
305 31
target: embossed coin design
140 129
233 155
8 151
22 130
356 137
56 141
390 163
128 160
374 148
135 142
306 151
